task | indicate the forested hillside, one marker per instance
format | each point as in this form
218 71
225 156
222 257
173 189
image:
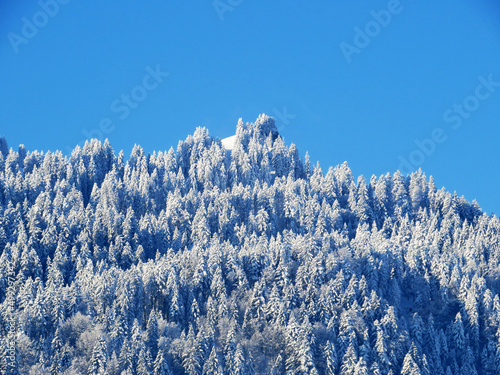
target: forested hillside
250 261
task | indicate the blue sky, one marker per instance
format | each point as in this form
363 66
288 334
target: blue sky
385 85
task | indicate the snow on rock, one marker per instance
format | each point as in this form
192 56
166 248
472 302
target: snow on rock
228 142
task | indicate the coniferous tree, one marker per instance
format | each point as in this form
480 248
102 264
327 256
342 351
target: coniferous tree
97 364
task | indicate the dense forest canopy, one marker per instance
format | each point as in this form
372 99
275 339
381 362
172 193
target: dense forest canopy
249 261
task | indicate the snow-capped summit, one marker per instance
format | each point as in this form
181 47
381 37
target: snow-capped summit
263 125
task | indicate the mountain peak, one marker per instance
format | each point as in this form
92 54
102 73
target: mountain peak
263 126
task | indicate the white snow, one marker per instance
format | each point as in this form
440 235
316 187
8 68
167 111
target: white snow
228 142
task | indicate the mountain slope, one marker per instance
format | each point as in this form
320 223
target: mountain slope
201 260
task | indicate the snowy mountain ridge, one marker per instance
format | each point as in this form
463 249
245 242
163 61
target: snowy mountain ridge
204 261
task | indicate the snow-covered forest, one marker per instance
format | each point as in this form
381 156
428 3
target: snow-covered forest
202 260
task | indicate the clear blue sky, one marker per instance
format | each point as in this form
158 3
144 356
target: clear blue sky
366 99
